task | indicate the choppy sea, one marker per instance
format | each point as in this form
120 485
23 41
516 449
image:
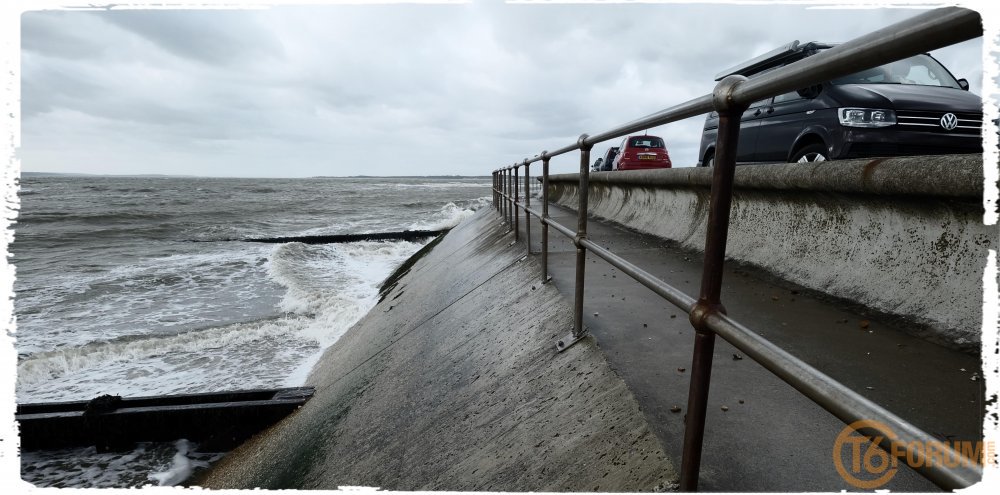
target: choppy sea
138 286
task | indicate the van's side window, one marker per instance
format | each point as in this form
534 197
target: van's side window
794 95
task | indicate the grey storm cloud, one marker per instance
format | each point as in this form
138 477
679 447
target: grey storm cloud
384 89
198 34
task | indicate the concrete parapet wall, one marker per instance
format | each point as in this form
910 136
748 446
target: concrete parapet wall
452 382
903 236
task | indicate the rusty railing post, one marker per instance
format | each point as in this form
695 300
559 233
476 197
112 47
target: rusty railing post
527 204
581 252
506 197
517 214
494 189
510 198
503 193
709 298
545 218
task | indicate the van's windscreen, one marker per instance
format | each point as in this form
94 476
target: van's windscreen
918 70
646 142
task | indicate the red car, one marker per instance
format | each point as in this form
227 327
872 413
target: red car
639 152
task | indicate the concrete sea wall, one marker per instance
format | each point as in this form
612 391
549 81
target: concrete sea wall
903 236
452 383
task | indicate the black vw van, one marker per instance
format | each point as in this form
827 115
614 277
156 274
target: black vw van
912 106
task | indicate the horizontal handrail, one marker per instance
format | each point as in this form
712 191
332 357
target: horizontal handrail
670 293
562 229
842 402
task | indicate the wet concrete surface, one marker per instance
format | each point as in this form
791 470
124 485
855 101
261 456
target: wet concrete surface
761 434
452 382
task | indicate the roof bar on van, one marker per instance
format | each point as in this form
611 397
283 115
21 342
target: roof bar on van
767 58
772 58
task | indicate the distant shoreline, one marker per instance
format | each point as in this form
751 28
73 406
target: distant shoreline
165 176
398 177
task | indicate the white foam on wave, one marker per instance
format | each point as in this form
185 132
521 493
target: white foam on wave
336 284
450 215
328 288
181 466
231 357
181 290
425 185
442 185
163 463
446 217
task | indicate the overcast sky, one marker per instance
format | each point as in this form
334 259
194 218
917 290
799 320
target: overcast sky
386 89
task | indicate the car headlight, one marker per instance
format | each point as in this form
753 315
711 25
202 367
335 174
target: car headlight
866 117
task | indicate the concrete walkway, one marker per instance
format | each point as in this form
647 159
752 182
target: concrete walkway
771 438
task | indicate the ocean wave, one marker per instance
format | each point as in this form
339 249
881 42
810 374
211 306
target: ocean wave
219 232
328 278
136 190
426 185
158 294
94 218
237 356
443 185
450 215
336 284
166 463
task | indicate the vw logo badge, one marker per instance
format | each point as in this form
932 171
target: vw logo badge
949 121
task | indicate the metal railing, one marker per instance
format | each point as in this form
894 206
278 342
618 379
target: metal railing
730 97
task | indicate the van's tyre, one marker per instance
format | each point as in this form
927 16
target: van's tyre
810 153
709 160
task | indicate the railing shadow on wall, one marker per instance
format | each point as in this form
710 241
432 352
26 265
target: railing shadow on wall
730 97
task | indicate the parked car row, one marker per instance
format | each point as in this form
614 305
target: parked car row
913 106
604 163
635 153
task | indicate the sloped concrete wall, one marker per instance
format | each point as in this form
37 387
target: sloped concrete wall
452 383
903 236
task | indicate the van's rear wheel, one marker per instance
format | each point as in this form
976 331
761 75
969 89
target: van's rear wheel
815 152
